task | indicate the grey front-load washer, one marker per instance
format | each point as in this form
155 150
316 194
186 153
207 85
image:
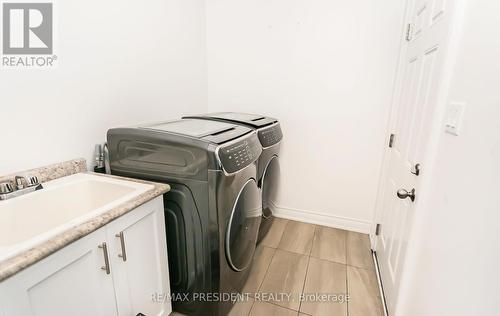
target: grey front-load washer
213 210
268 169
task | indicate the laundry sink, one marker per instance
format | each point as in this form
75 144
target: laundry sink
62 204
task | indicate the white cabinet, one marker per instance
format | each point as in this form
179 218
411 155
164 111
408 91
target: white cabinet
138 250
74 281
69 282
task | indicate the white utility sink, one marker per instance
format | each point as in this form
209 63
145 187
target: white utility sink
62 204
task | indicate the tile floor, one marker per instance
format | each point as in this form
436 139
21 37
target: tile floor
299 258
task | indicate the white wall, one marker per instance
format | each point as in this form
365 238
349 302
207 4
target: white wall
453 256
325 69
120 62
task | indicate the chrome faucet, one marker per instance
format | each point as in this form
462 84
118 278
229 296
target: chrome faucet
21 182
22 185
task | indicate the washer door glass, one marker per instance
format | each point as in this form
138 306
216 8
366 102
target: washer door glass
270 183
243 227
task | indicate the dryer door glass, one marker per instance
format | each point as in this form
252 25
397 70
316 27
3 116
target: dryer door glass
270 184
243 227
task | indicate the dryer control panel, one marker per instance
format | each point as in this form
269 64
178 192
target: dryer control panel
238 155
271 135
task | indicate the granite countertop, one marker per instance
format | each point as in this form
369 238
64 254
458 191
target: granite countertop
21 261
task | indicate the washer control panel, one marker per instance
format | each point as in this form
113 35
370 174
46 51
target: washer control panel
240 154
271 135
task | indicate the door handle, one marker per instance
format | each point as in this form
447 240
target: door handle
122 255
104 248
403 194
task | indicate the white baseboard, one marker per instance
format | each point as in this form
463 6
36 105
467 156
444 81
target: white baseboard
318 218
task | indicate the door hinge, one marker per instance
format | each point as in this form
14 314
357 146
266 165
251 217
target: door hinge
408 32
416 170
391 140
377 230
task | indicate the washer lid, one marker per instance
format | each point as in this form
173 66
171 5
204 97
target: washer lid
252 120
213 131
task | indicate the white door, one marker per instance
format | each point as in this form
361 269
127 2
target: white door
418 91
42 289
138 255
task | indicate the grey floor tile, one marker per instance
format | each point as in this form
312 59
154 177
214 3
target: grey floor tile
273 237
289 269
364 297
325 278
262 260
242 308
264 309
358 251
297 237
329 244
286 274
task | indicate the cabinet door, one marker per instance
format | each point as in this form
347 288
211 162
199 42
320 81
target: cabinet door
68 282
139 259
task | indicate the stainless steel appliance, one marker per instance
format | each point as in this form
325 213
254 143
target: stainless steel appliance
268 169
214 208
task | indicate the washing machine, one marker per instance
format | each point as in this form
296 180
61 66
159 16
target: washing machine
268 169
213 210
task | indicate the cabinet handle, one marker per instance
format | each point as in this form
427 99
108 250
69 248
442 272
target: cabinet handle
104 248
122 255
